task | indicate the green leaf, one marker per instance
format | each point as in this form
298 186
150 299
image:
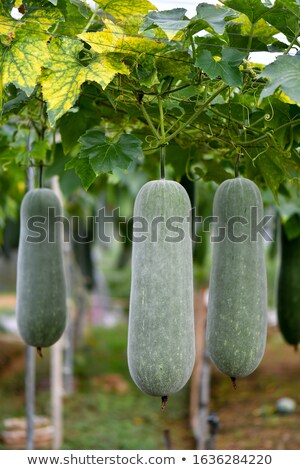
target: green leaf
270 167
284 73
287 209
121 9
211 16
254 9
170 21
292 226
71 126
23 60
207 63
83 7
214 172
82 169
175 64
236 111
226 68
261 29
6 6
239 41
279 114
146 72
75 14
39 150
19 146
15 103
186 93
284 16
106 155
232 56
61 82
212 44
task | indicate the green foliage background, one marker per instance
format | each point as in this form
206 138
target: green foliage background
97 95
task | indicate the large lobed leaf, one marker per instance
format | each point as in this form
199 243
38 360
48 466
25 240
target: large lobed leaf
23 60
284 16
113 40
105 155
170 21
105 41
284 73
114 45
7 26
122 9
62 80
99 155
83 170
227 68
210 16
254 9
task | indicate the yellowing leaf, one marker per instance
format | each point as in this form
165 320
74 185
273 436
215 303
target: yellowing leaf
24 59
113 40
261 28
104 41
175 64
61 82
285 98
139 45
131 25
121 9
44 18
7 25
283 74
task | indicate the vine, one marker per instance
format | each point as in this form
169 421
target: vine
150 88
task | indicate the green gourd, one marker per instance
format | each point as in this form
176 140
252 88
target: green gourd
161 340
288 288
237 306
41 291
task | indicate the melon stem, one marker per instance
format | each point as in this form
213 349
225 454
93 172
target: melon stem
164 402
233 380
39 351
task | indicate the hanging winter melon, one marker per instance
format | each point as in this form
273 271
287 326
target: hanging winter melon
237 308
161 349
288 288
41 291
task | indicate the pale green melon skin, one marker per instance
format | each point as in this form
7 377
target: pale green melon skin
161 338
41 289
237 307
288 288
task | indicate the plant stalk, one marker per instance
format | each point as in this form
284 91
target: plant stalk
162 162
149 121
196 114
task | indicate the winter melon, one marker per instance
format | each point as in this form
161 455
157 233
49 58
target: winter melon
288 289
41 292
161 340
237 306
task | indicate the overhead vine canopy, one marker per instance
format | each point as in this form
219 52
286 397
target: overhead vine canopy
116 84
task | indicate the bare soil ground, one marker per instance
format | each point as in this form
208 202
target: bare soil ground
7 301
248 418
